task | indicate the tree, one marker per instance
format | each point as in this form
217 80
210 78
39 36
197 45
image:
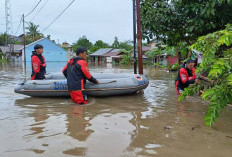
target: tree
125 45
82 41
101 44
3 39
174 21
98 45
115 44
126 58
33 33
217 63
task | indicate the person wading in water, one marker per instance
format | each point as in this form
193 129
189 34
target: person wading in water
186 76
76 71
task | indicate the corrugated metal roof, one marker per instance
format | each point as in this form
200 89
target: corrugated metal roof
16 48
5 49
113 52
101 52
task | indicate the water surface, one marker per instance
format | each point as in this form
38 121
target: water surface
150 123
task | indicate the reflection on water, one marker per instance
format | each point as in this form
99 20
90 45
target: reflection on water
150 123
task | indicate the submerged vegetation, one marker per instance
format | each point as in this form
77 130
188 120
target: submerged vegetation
217 67
200 25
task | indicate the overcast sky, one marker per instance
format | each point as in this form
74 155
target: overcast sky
97 19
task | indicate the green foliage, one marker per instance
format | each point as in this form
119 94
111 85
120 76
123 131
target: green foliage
82 41
115 44
3 39
175 67
157 51
33 33
217 63
176 21
126 45
98 44
126 58
101 44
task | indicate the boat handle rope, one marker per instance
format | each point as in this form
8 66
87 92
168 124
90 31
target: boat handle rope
108 82
59 83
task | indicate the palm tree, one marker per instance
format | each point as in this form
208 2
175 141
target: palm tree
33 32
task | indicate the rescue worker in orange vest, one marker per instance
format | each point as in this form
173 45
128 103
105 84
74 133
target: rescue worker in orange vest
38 63
186 76
76 71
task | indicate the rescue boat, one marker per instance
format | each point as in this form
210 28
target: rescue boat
55 85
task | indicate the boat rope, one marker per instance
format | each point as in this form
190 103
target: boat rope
113 81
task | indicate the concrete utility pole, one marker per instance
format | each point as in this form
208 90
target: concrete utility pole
139 38
24 43
134 36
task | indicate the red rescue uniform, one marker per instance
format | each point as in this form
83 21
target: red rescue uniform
184 78
38 66
76 71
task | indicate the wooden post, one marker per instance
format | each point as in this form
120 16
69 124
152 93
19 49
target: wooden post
139 38
134 36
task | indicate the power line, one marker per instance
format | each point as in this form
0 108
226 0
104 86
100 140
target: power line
59 15
41 8
33 8
12 22
18 26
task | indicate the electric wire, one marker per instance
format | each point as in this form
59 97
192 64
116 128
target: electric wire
41 8
58 16
19 26
33 8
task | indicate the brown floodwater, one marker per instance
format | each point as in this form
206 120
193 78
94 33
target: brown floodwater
150 123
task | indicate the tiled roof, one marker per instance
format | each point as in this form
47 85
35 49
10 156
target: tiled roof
113 52
146 48
101 52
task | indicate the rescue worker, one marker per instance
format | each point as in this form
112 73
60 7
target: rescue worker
186 76
76 72
38 63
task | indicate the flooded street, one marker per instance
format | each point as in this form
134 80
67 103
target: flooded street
146 124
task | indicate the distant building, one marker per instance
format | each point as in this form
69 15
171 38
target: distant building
99 55
12 52
144 50
52 52
114 55
65 45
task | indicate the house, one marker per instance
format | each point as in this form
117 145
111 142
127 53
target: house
144 50
65 45
52 52
114 55
99 55
12 52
